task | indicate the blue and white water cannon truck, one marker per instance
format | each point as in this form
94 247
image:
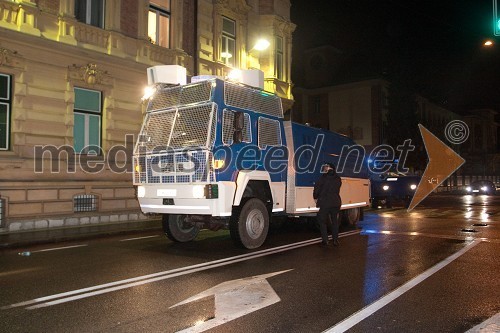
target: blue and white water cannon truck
218 154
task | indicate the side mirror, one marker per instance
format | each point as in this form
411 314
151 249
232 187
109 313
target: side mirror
237 136
239 121
238 125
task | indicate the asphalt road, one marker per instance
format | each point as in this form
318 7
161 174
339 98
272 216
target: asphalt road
434 269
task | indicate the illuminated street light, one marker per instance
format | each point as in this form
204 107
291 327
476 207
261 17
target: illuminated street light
488 43
261 45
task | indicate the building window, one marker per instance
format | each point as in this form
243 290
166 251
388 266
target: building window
85 203
90 12
87 127
5 101
278 58
316 104
228 52
159 22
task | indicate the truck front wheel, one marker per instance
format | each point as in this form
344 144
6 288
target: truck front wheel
350 217
176 230
249 224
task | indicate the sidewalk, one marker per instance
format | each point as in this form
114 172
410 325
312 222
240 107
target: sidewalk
24 238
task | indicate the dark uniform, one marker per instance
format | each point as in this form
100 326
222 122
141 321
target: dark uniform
327 194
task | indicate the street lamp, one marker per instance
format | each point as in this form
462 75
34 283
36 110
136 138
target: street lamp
261 45
252 60
488 43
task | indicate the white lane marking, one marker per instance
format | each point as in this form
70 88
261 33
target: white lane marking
234 299
367 311
411 233
491 325
140 280
423 234
137 238
60 248
19 271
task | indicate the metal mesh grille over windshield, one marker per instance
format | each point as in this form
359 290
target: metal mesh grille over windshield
178 128
181 95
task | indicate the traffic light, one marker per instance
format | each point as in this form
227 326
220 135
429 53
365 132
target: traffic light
496 21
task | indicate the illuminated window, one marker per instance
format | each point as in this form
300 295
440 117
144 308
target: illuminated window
228 51
87 127
159 22
278 58
90 12
5 102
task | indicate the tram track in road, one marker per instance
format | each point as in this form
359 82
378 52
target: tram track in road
91 291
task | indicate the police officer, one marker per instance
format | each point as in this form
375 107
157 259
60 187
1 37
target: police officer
327 196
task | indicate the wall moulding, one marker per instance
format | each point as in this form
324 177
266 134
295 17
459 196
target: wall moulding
10 58
90 74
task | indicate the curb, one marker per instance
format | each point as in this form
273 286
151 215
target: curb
28 238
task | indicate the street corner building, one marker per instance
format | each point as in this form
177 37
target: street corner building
72 77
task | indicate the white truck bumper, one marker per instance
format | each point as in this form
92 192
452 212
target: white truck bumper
187 199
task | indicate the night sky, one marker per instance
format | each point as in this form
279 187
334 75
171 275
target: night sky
435 46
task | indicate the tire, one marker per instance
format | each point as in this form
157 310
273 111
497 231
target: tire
249 224
173 226
350 217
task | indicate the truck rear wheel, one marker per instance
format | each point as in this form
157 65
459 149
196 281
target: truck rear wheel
176 230
350 217
249 224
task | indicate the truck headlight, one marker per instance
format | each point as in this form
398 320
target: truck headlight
413 187
148 92
468 189
141 191
484 188
218 164
385 187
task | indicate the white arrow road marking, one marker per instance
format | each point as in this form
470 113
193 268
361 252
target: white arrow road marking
236 298
59 248
149 278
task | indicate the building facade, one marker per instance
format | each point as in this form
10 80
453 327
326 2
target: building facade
335 98
354 109
481 150
72 74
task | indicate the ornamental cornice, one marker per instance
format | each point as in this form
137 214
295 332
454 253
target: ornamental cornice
237 7
9 58
90 74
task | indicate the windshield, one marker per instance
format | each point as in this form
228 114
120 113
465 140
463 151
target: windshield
178 128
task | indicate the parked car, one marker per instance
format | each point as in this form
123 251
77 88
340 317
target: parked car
481 187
